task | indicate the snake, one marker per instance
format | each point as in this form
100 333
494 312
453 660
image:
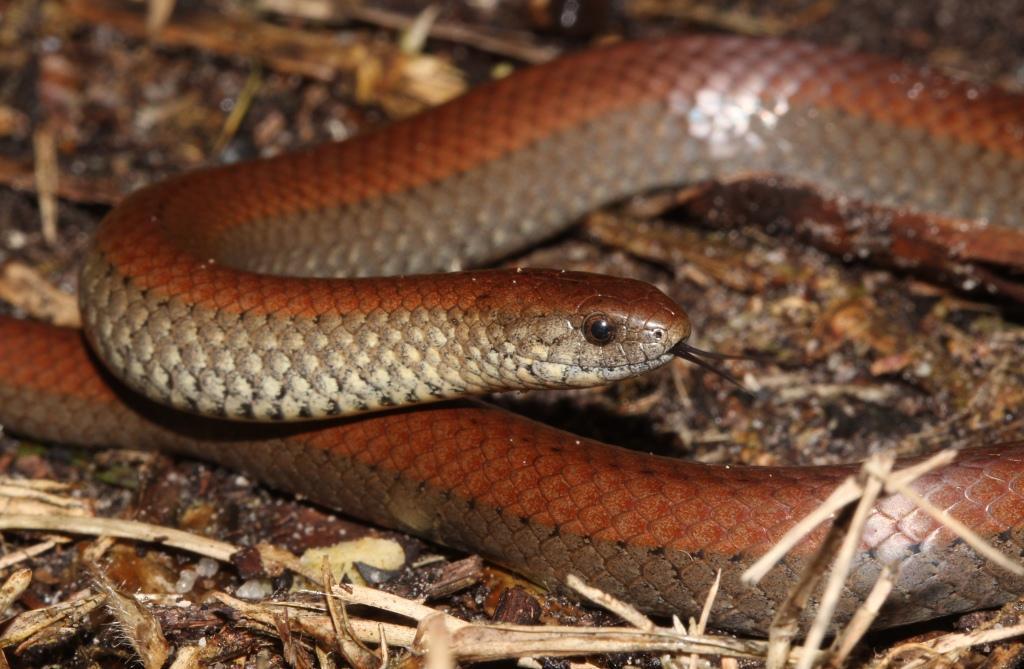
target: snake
280 316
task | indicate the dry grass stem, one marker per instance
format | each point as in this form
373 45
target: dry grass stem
942 651
385 653
35 623
876 477
187 658
13 587
15 557
494 642
709 602
352 649
705 614
42 485
158 13
317 624
46 171
739 19
434 636
99 547
623 610
847 492
911 473
842 533
970 537
241 107
20 175
879 466
786 622
308 53
361 595
480 642
518 45
28 489
124 529
847 639
325 660
414 37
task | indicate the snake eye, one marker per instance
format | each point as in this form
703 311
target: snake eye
597 330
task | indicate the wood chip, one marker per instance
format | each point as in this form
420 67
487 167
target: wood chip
26 289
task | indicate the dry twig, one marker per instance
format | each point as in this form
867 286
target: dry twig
841 543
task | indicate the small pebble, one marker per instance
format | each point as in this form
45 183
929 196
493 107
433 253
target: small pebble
254 589
207 567
186 581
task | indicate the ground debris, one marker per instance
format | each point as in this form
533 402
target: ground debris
846 357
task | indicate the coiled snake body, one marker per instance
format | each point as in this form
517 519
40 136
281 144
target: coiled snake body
197 294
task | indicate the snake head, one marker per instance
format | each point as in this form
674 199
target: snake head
590 329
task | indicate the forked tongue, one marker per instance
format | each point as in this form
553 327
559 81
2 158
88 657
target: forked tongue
703 358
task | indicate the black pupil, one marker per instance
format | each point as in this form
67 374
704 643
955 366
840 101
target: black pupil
600 330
